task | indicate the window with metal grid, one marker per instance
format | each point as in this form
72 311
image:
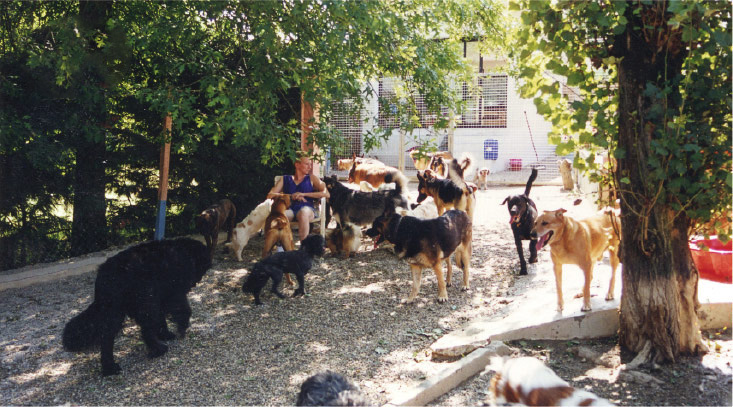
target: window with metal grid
349 123
485 102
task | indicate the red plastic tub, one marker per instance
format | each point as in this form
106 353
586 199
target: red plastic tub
515 164
713 264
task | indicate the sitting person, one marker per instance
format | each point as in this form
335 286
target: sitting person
304 189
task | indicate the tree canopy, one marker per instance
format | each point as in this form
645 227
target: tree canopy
579 44
85 86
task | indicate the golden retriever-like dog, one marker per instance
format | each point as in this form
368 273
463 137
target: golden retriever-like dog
580 242
482 178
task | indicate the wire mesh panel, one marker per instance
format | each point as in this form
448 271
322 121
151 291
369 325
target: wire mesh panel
350 124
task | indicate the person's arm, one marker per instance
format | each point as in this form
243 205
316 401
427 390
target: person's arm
276 189
319 188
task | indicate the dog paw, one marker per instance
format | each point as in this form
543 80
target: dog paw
166 335
533 259
407 301
111 369
465 288
586 308
159 350
442 300
609 297
523 272
298 293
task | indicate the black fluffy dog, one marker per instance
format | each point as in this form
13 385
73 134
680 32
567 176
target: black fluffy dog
296 262
330 389
360 208
146 282
523 213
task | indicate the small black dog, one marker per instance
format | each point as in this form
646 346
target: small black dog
330 389
296 262
523 213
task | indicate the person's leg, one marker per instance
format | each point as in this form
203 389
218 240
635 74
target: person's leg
304 216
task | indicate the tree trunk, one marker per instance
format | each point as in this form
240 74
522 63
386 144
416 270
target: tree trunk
658 318
89 224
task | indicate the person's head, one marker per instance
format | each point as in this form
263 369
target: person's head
303 162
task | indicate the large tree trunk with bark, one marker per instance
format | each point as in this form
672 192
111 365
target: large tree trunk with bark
658 318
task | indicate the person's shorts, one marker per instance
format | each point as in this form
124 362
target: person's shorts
291 215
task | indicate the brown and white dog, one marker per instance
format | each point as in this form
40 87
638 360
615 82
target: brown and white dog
526 381
217 217
580 242
277 225
376 175
482 178
344 241
253 223
346 163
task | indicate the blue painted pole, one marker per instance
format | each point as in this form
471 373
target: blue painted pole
165 153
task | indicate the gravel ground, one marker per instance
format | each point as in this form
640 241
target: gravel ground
235 353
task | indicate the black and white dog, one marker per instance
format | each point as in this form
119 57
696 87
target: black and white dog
523 213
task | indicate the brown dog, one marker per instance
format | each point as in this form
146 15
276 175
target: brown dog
277 225
211 221
579 242
376 175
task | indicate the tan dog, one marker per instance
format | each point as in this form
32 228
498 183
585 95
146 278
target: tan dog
579 242
482 178
277 225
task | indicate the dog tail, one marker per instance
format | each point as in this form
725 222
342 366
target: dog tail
83 331
531 179
399 179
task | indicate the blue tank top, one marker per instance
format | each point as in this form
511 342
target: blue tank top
289 187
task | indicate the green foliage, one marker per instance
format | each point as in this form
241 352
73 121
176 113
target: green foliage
689 114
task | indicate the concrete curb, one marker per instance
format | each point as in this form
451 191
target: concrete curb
450 377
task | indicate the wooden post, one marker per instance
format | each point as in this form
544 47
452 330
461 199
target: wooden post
165 153
308 116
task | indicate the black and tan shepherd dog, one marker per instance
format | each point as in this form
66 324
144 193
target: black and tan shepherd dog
146 282
297 262
330 389
357 207
427 243
217 217
522 213
445 192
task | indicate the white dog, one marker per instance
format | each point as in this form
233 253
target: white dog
528 382
247 228
426 210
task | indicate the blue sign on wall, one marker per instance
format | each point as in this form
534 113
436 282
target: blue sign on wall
491 149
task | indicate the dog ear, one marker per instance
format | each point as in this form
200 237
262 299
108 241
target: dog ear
559 213
505 200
